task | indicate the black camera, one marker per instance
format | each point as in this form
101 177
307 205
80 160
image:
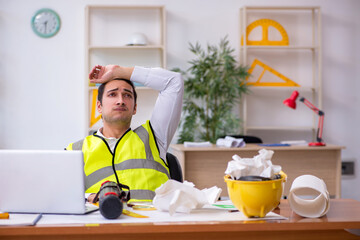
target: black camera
111 199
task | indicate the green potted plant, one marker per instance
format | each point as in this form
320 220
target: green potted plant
214 84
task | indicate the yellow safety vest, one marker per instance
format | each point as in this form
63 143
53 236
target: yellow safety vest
136 160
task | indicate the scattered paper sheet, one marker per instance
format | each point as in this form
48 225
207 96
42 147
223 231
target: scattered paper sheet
296 142
230 142
205 214
197 144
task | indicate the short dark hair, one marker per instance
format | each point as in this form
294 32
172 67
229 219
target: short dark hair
102 87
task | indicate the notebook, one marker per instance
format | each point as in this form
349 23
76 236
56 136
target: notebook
42 181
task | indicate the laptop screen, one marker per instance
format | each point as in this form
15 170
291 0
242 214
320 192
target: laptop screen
42 181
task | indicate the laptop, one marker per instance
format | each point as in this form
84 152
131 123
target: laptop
43 181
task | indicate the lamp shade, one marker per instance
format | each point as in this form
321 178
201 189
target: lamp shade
291 101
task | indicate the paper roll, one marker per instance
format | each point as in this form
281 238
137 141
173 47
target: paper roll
308 196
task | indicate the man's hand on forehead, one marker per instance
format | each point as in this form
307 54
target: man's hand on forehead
95 72
103 74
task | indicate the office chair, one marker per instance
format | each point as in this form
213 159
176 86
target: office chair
247 139
174 167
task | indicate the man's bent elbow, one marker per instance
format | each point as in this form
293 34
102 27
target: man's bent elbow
178 82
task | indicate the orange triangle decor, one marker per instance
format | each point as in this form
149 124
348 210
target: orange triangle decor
93 118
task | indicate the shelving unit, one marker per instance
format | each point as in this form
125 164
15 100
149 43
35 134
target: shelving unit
262 109
108 31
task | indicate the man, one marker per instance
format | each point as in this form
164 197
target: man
136 158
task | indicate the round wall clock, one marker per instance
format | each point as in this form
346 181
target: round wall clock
45 23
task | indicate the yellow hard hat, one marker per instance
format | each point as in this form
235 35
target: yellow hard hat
255 198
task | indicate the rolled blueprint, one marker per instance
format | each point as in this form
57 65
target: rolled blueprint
308 196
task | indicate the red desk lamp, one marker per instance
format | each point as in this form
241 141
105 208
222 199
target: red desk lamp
291 102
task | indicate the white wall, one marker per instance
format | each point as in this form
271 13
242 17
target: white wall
42 80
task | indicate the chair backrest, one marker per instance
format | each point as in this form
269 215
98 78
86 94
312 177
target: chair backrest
247 138
174 167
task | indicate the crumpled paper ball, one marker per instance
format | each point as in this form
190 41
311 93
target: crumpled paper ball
174 196
259 165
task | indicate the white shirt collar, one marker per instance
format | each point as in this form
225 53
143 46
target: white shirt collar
99 133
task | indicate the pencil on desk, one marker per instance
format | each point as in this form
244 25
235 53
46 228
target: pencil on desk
4 215
234 210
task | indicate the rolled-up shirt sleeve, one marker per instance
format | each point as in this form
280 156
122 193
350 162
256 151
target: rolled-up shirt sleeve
167 110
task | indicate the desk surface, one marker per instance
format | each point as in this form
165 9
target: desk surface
255 147
343 214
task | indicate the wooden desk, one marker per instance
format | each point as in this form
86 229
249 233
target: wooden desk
205 166
343 214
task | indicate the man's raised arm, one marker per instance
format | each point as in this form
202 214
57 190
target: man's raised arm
167 110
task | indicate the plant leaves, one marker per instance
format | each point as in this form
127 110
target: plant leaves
214 84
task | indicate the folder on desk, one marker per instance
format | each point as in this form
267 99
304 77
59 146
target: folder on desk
18 219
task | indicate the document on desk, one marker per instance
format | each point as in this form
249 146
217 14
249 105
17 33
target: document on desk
19 219
207 213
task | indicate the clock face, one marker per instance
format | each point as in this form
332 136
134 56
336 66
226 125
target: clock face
45 23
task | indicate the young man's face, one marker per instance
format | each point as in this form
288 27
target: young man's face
118 103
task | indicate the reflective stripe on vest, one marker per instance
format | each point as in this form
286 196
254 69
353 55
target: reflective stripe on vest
77 145
144 136
142 194
104 172
132 166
